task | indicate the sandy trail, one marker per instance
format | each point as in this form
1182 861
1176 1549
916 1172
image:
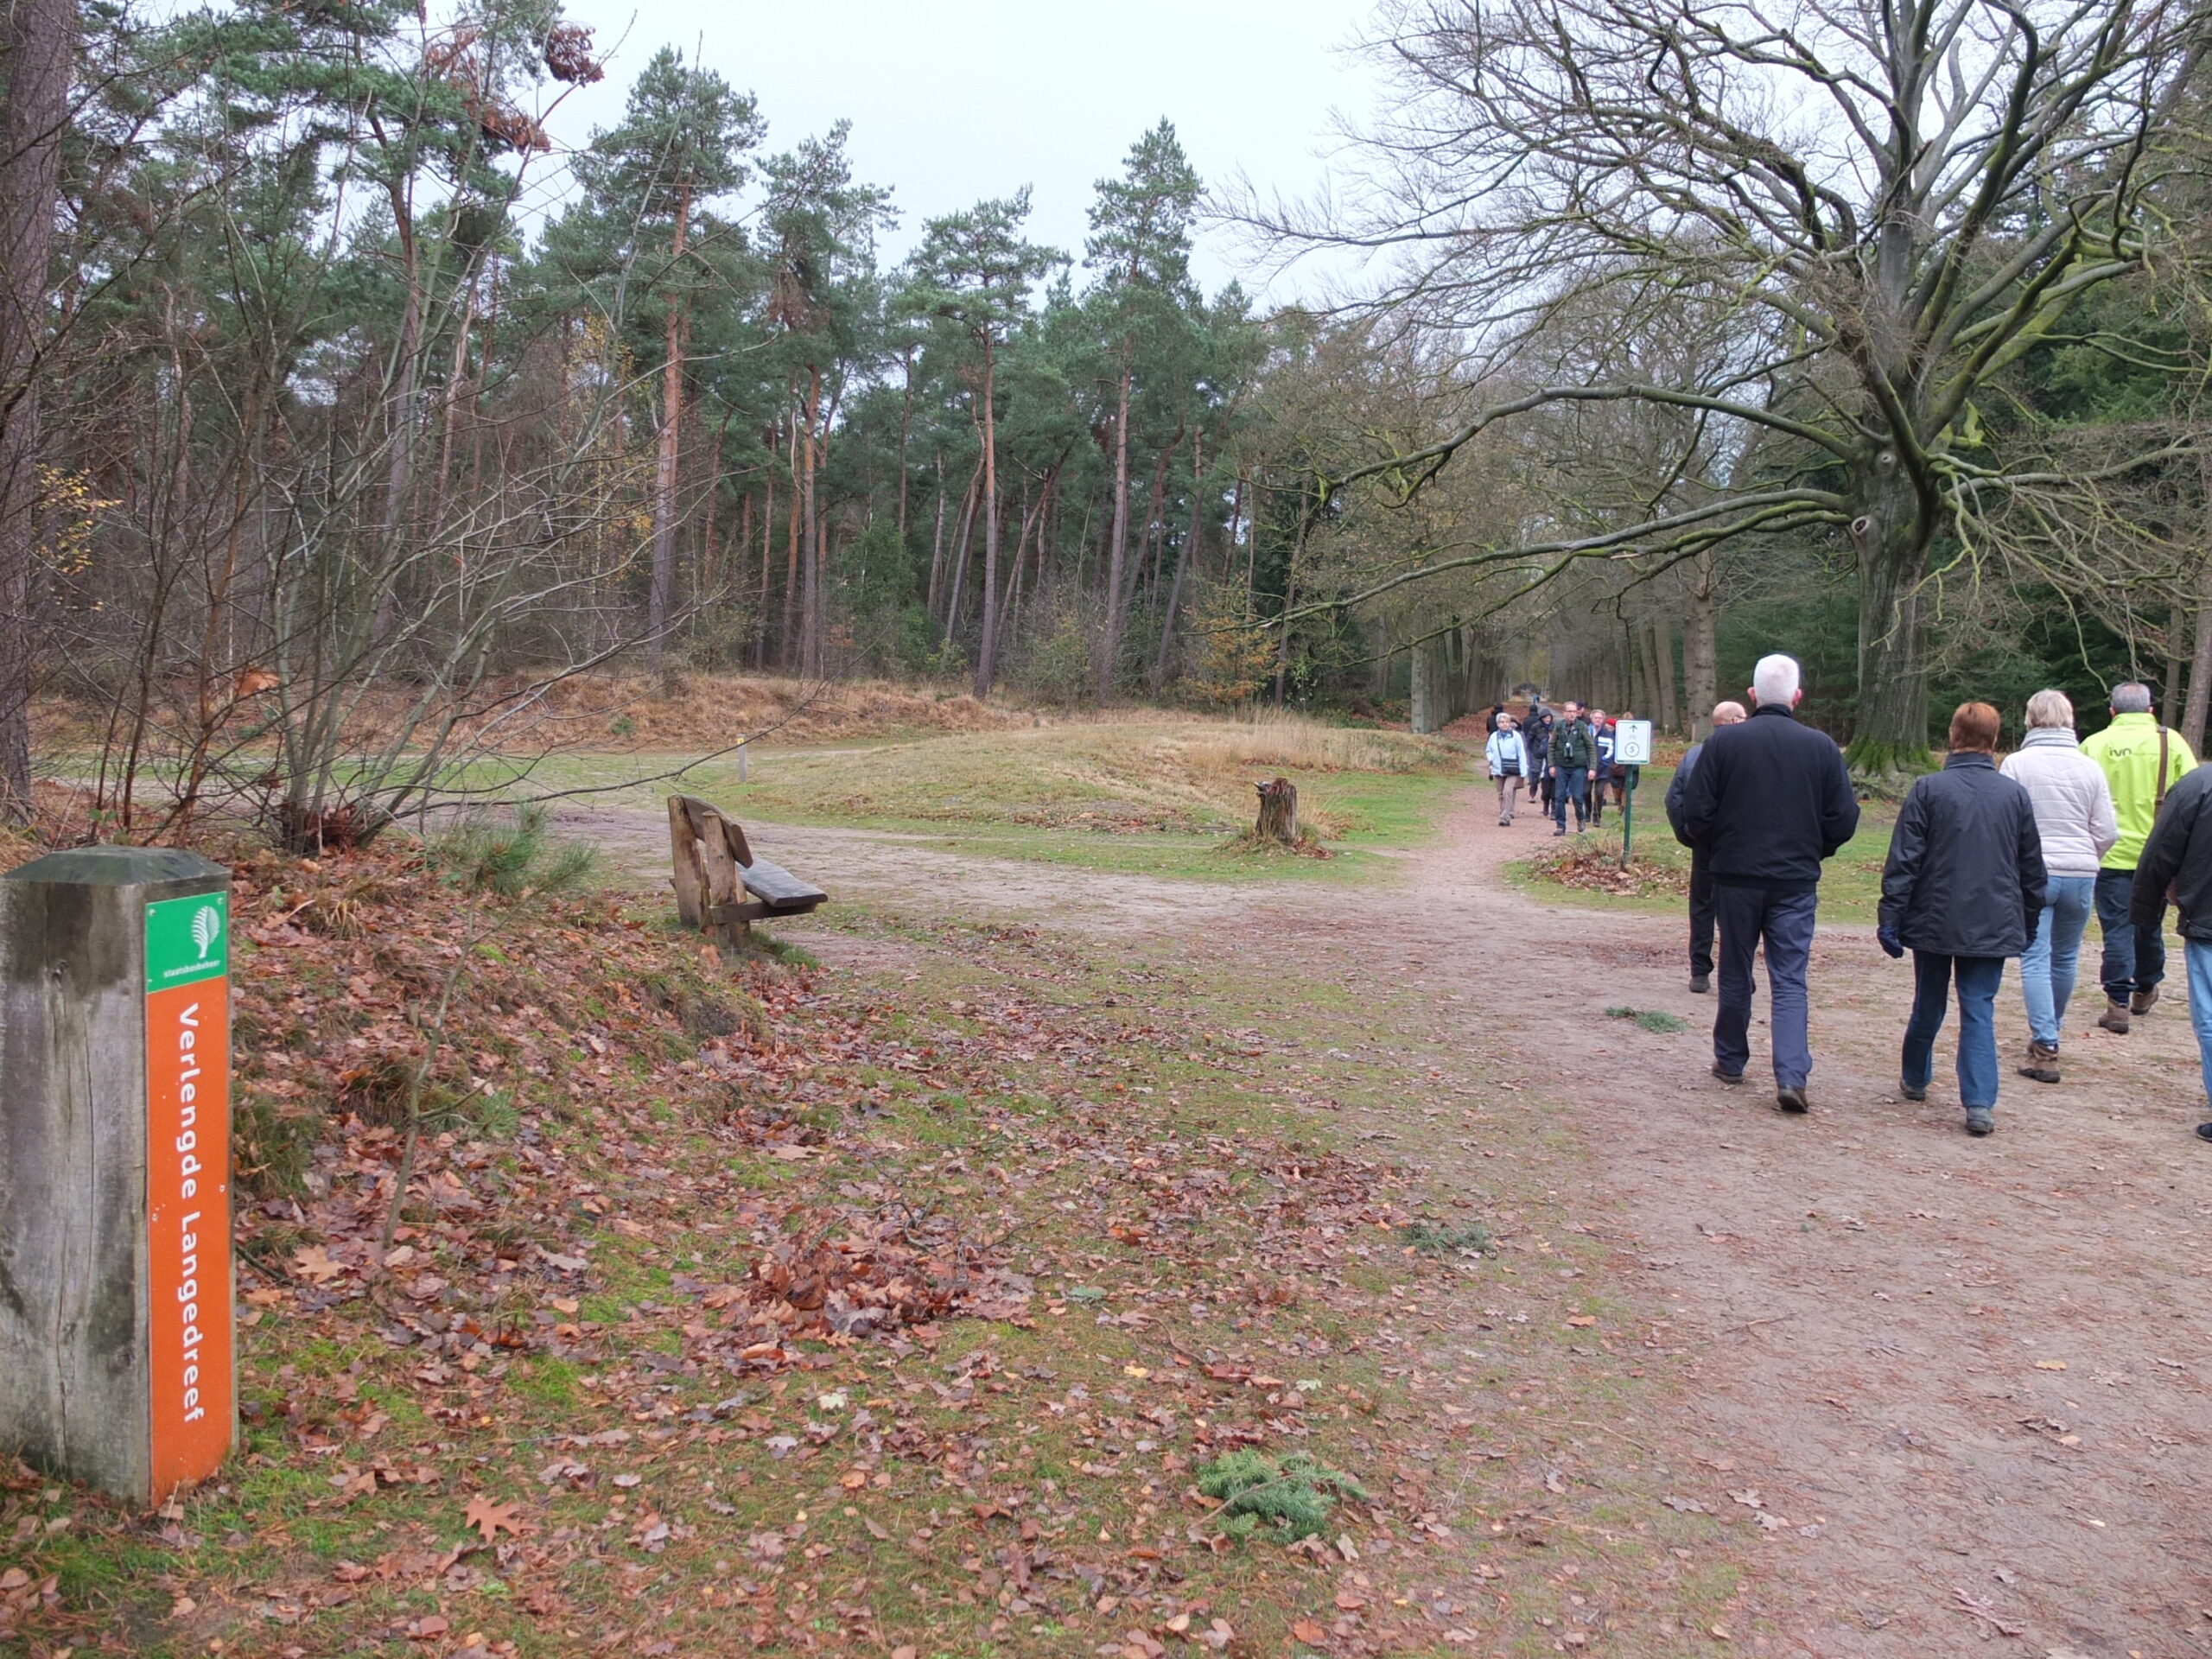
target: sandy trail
1966 1371
910 873
1885 1303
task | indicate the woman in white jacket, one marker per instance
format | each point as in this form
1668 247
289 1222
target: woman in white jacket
2073 814
1508 764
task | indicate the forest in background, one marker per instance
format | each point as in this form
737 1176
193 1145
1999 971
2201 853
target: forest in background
346 412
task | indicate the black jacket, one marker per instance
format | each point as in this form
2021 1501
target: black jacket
1678 788
1768 800
2178 855
1966 876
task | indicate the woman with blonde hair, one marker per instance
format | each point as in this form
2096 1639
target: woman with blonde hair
2073 814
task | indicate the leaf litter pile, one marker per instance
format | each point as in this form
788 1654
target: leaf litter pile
1587 864
754 1308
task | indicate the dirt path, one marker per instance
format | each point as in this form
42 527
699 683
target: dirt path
914 875
1962 1370
1967 1379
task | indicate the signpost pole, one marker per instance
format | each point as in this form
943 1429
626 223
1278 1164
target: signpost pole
1627 814
117 1365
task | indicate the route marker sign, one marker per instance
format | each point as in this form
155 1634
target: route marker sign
117 1361
1632 742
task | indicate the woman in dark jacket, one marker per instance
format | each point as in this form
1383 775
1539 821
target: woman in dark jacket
1960 892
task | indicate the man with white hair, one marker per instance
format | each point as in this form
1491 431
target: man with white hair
1769 804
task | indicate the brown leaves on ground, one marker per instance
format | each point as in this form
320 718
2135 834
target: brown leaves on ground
1592 866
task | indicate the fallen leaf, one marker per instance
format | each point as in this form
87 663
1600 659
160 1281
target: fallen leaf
2050 1364
492 1519
1583 1318
1309 1632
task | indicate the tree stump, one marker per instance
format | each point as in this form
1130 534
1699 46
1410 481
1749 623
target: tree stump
1278 811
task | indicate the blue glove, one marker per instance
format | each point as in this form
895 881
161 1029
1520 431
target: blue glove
1887 938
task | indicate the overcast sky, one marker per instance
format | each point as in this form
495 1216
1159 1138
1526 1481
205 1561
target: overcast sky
954 100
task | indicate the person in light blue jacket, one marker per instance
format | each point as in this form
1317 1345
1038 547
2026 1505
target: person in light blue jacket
1507 754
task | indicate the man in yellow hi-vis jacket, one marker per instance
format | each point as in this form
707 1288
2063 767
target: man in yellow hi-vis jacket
2142 760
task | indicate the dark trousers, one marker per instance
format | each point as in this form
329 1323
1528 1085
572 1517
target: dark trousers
2135 958
1747 918
1701 915
1572 784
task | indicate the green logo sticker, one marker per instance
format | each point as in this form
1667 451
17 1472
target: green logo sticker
187 939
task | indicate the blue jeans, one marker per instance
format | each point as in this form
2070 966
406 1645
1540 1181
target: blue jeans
1572 784
2046 970
2197 955
2135 959
1783 921
1978 979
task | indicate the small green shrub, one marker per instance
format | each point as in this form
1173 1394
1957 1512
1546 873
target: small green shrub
509 856
1650 1018
1441 1238
1292 1497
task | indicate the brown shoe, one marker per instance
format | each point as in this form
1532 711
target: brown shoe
1791 1099
2142 1001
2114 1019
2043 1063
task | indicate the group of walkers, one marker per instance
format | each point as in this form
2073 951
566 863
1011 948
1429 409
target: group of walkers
1565 757
1985 863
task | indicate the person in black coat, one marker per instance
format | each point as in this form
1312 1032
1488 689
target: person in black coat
1961 891
1769 802
2178 856
1724 714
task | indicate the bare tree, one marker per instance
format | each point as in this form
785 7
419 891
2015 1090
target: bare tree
1892 202
38 42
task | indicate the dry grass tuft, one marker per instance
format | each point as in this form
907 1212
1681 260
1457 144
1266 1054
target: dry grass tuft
1298 742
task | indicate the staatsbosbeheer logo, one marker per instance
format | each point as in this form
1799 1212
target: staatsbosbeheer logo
187 939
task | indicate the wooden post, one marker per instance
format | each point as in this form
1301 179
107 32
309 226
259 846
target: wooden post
1278 812
117 1365
709 852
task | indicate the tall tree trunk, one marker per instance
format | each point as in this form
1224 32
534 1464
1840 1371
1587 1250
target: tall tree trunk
810 623
767 556
787 635
40 37
2200 668
1662 639
1109 639
2169 687
905 423
1701 672
937 538
962 547
1183 555
986 653
1890 731
661 594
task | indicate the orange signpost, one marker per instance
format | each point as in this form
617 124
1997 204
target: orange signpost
189 1186
117 1364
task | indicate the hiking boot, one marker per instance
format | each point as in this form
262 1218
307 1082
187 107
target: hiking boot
1910 1092
1980 1120
2204 1131
2114 1018
2142 1001
1727 1076
1792 1100
2043 1063
1701 983
1560 830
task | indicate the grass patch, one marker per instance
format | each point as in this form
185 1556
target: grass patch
1441 1239
1650 1018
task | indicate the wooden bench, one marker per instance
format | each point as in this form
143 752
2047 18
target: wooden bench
721 889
